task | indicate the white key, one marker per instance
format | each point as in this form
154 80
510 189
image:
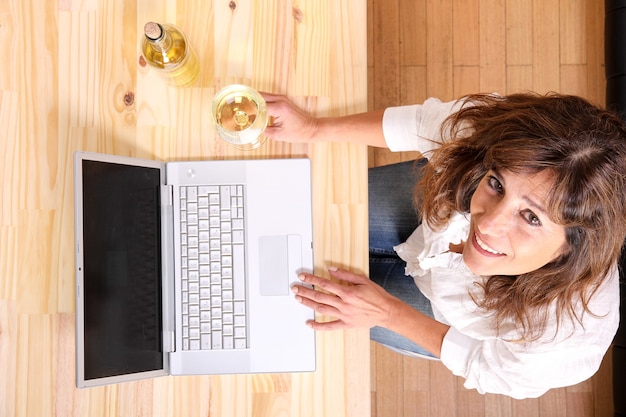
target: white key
237 236
239 273
240 344
229 342
240 332
205 341
192 194
225 197
240 307
216 340
203 201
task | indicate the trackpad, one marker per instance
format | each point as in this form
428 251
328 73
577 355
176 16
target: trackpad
280 259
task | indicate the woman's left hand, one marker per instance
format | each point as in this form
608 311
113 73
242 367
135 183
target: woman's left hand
352 299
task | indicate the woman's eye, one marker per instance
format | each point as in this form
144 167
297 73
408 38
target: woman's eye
531 218
495 184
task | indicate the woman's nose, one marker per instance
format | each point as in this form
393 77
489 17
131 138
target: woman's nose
495 221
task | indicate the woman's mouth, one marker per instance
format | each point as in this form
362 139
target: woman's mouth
484 248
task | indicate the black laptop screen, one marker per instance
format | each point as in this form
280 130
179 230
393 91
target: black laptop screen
122 269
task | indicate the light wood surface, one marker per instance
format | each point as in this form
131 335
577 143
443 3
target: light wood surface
72 80
423 48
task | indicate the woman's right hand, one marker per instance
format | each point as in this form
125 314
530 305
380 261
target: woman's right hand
288 123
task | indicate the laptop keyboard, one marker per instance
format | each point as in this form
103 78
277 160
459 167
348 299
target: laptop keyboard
213 271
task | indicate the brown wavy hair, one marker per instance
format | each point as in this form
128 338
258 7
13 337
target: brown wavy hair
584 148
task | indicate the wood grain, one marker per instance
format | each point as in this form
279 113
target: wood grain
75 82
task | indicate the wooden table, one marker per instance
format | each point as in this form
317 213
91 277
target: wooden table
72 80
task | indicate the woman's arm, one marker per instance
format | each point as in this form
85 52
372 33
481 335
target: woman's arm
291 124
355 301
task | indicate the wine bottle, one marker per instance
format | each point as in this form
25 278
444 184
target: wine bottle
165 47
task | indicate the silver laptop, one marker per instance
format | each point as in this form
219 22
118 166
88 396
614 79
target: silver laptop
184 268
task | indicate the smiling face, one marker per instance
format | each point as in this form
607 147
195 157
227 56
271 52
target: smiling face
510 230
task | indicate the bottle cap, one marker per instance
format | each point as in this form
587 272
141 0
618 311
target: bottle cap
153 31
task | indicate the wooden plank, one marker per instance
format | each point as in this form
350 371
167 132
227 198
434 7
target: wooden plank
466 33
573 32
519 35
493 46
546 74
386 54
439 50
412 18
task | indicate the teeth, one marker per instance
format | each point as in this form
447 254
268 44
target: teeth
484 246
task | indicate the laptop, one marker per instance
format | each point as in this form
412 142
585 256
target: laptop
184 268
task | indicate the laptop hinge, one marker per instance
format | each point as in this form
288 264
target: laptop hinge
167 195
168 341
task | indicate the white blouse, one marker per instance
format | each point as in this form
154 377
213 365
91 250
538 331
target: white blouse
489 360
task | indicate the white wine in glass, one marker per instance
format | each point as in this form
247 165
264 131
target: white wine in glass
240 116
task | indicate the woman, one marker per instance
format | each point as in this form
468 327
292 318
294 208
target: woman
515 285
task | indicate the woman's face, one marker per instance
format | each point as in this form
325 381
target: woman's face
510 231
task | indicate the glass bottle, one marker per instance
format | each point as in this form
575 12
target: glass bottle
165 47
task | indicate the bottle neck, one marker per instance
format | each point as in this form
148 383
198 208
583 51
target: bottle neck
160 41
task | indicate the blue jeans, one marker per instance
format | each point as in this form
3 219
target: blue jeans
392 218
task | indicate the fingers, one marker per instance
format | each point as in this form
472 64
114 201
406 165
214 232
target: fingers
327 325
326 298
270 97
317 300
